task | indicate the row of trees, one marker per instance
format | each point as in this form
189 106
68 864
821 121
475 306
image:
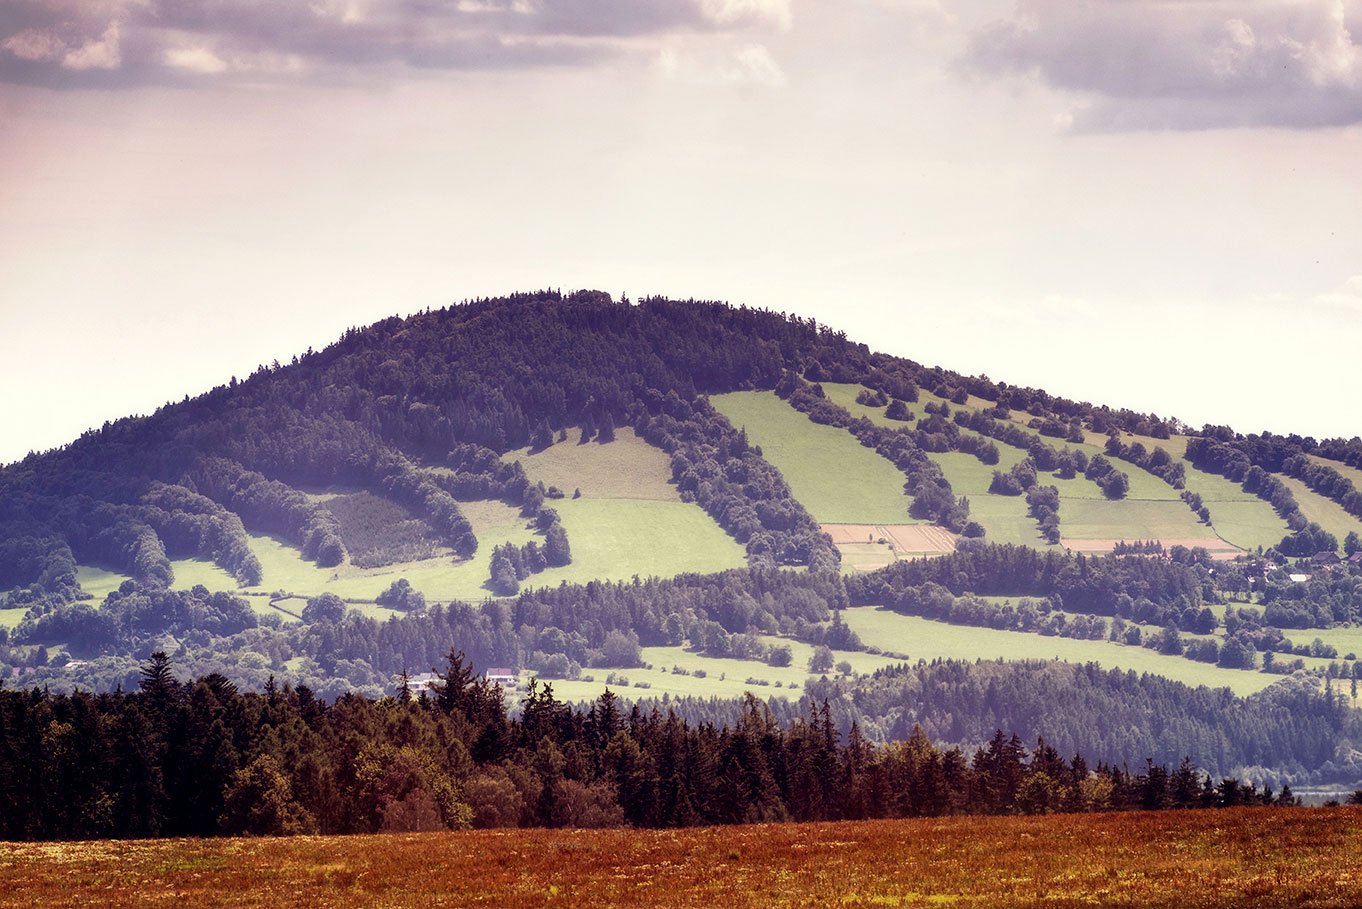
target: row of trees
202 759
1236 462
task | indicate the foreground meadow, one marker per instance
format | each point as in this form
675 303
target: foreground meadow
1260 857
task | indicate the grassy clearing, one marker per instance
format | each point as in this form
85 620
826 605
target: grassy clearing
921 638
189 572
1351 473
1325 512
627 468
865 556
724 677
12 617
835 477
1240 518
99 582
1240 857
615 539
611 539
1128 519
1247 525
1004 517
490 515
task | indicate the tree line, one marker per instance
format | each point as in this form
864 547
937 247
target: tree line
201 758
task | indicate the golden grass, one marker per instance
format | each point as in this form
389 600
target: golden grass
1259 857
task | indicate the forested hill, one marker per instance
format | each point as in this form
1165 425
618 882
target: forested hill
394 451
451 388
418 410
447 389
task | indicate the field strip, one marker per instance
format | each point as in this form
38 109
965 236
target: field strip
916 538
1217 547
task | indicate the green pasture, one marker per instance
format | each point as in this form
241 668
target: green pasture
99 582
1151 510
1128 519
615 539
836 478
1215 488
629 521
627 468
189 572
1351 473
1004 518
724 677
12 617
1247 525
1323 511
611 539
1143 485
490 514
921 638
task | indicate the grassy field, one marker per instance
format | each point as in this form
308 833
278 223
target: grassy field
1323 511
611 539
912 638
490 515
189 572
1004 517
1351 473
1129 519
831 474
921 638
1239 857
1151 510
724 677
99 582
627 468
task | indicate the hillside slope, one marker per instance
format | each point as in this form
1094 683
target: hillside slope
675 496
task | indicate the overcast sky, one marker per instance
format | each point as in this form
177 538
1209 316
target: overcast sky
1154 204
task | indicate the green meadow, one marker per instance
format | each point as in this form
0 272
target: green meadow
920 638
1129 519
902 638
724 677
1004 518
627 468
1323 511
1151 510
836 478
1344 470
628 521
99 582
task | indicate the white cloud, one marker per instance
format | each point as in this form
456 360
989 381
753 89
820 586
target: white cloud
84 43
1212 63
749 64
200 60
35 45
748 12
101 53
1347 296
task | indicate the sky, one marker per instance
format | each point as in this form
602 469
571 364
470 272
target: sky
1153 204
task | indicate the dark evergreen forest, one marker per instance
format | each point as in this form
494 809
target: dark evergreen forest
203 759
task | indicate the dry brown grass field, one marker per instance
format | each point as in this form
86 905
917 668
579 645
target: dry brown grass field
1259 857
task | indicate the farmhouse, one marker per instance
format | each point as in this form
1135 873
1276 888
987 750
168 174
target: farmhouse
502 675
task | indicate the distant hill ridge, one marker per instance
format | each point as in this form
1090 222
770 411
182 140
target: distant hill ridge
453 388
